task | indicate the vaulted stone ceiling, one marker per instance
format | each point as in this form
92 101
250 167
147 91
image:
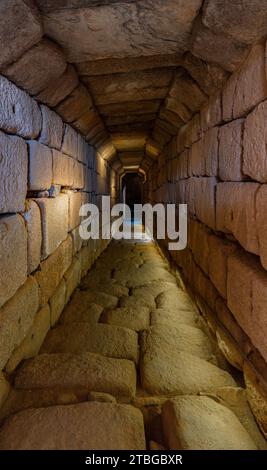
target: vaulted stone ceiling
128 73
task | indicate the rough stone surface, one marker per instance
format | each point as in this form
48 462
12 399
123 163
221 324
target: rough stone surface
180 373
162 316
218 48
4 388
57 89
70 142
111 341
37 67
62 169
261 198
146 37
199 423
54 213
129 317
22 18
73 276
57 302
75 104
19 113
246 293
16 318
52 128
257 397
90 313
52 270
96 426
229 349
13 174
32 342
88 371
236 400
230 151
236 213
40 166
13 240
251 86
32 218
254 159
183 338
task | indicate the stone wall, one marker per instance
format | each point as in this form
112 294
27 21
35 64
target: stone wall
47 170
217 165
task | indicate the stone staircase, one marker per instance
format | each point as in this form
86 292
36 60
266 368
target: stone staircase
130 365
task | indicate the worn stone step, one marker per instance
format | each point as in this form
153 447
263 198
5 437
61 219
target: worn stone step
137 319
73 371
84 426
235 398
180 373
162 316
199 423
175 299
177 338
90 313
111 341
81 299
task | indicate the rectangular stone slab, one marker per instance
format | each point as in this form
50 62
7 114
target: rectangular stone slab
79 371
97 426
111 341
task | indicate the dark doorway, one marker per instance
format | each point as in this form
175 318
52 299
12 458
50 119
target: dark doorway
132 186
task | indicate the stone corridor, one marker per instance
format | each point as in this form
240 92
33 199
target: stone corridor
122 344
130 364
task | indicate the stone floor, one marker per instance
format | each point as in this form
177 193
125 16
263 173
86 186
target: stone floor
130 365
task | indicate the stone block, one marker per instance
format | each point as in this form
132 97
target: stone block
57 302
62 169
236 213
255 138
75 201
94 426
73 277
219 251
205 191
261 222
251 86
75 104
32 219
228 96
13 255
199 243
24 19
40 166
83 150
70 142
37 67
79 172
247 298
76 240
55 219
52 128
231 151
31 344
52 270
200 423
211 151
19 113
196 161
16 318
13 174
57 89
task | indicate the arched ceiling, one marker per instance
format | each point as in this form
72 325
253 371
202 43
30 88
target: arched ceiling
127 73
